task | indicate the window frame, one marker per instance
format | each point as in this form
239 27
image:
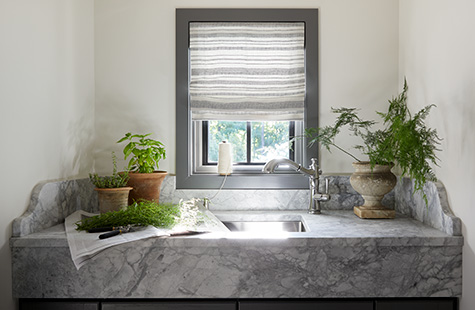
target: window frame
186 134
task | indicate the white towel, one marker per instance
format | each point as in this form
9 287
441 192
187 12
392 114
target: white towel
84 245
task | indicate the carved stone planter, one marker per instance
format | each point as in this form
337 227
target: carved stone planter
373 184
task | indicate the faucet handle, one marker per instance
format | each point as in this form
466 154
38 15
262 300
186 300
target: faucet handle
326 185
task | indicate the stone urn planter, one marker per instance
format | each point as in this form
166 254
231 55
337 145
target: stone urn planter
113 199
146 186
373 184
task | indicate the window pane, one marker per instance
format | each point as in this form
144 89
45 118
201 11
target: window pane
233 132
269 140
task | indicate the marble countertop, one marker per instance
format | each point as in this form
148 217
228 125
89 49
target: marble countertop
340 256
332 226
417 254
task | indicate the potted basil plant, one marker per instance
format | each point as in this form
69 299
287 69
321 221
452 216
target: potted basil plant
144 177
112 191
404 140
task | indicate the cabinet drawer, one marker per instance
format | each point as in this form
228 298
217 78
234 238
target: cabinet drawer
170 305
57 305
307 305
442 304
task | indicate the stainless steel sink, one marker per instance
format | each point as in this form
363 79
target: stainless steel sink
274 226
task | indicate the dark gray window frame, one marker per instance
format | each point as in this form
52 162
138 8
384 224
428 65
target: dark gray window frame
185 179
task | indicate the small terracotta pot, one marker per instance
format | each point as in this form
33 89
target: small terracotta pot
113 199
146 186
373 184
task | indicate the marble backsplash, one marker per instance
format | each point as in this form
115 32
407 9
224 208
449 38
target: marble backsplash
343 197
52 202
436 213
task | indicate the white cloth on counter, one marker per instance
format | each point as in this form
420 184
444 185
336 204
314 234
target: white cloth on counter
84 245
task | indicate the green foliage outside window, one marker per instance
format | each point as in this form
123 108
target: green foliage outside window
269 139
232 132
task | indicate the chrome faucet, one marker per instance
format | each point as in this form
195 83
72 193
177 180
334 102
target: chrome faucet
313 173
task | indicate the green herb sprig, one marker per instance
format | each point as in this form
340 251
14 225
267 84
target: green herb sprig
142 213
115 180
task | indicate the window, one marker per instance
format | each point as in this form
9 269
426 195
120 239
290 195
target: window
255 142
265 95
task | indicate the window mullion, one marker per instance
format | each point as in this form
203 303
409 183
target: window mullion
205 143
291 137
248 142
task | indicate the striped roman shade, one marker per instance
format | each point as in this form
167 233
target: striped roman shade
247 70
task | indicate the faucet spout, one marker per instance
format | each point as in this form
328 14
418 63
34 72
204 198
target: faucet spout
313 173
272 164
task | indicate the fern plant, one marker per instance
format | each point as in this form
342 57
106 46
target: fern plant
405 140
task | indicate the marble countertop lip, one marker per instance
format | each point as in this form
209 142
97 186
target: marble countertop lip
233 240
423 235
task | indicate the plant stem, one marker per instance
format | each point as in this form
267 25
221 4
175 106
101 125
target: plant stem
346 152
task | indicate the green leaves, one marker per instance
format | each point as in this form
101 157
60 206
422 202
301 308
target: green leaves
347 116
142 213
415 144
405 139
114 181
146 153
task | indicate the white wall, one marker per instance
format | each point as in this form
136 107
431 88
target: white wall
46 104
47 60
135 66
437 54
48 56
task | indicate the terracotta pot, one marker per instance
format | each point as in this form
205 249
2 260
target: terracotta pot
373 184
113 199
146 186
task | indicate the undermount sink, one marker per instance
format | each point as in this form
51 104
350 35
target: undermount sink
268 227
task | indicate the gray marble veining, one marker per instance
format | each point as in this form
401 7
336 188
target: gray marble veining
339 227
340 256
344 197
245 272
417 254
52 202
436 213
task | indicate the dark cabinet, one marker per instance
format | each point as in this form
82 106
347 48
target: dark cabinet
58 305
170 305
242 304
306 305
411 304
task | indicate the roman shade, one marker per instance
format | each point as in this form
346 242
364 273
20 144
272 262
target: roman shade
247 70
